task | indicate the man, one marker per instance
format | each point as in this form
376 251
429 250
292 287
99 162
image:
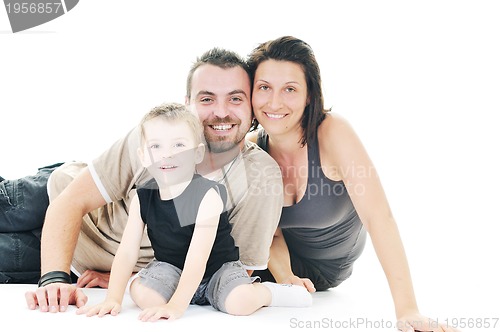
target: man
89 204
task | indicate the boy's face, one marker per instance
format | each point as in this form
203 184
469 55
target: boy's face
221 98
170 152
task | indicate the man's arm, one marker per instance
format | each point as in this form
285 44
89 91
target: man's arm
256 215
64 219
59 236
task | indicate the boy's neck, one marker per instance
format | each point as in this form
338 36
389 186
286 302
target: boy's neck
174 190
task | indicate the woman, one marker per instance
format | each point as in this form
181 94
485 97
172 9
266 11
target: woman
332 194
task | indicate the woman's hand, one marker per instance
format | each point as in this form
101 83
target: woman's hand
417 322
294 280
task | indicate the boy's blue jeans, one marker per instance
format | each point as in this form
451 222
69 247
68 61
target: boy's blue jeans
23 203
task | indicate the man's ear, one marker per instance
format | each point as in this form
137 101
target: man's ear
199 153
140 154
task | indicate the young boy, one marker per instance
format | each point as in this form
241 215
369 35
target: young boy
196 260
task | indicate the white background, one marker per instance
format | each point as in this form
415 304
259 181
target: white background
418 80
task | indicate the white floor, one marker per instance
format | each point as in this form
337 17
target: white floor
362 303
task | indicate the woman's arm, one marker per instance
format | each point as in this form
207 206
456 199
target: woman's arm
341 153
280 266
279 257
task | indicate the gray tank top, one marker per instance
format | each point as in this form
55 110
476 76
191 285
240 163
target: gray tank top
323 225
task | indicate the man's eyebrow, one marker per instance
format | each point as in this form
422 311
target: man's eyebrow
210 93
205 92
237 91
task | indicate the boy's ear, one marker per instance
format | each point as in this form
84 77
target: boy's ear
199 153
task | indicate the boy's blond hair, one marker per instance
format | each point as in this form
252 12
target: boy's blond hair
175 112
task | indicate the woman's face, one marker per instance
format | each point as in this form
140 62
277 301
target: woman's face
279 96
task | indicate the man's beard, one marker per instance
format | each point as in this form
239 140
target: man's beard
222 146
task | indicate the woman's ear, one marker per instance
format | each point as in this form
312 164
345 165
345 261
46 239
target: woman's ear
199 153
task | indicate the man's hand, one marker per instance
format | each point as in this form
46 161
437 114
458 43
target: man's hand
91 279
55 297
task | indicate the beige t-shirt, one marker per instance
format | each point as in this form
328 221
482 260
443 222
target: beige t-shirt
255 199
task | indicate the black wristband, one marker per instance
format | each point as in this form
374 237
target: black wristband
54 276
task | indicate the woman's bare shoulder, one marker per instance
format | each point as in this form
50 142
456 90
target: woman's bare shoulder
338 142
334 126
